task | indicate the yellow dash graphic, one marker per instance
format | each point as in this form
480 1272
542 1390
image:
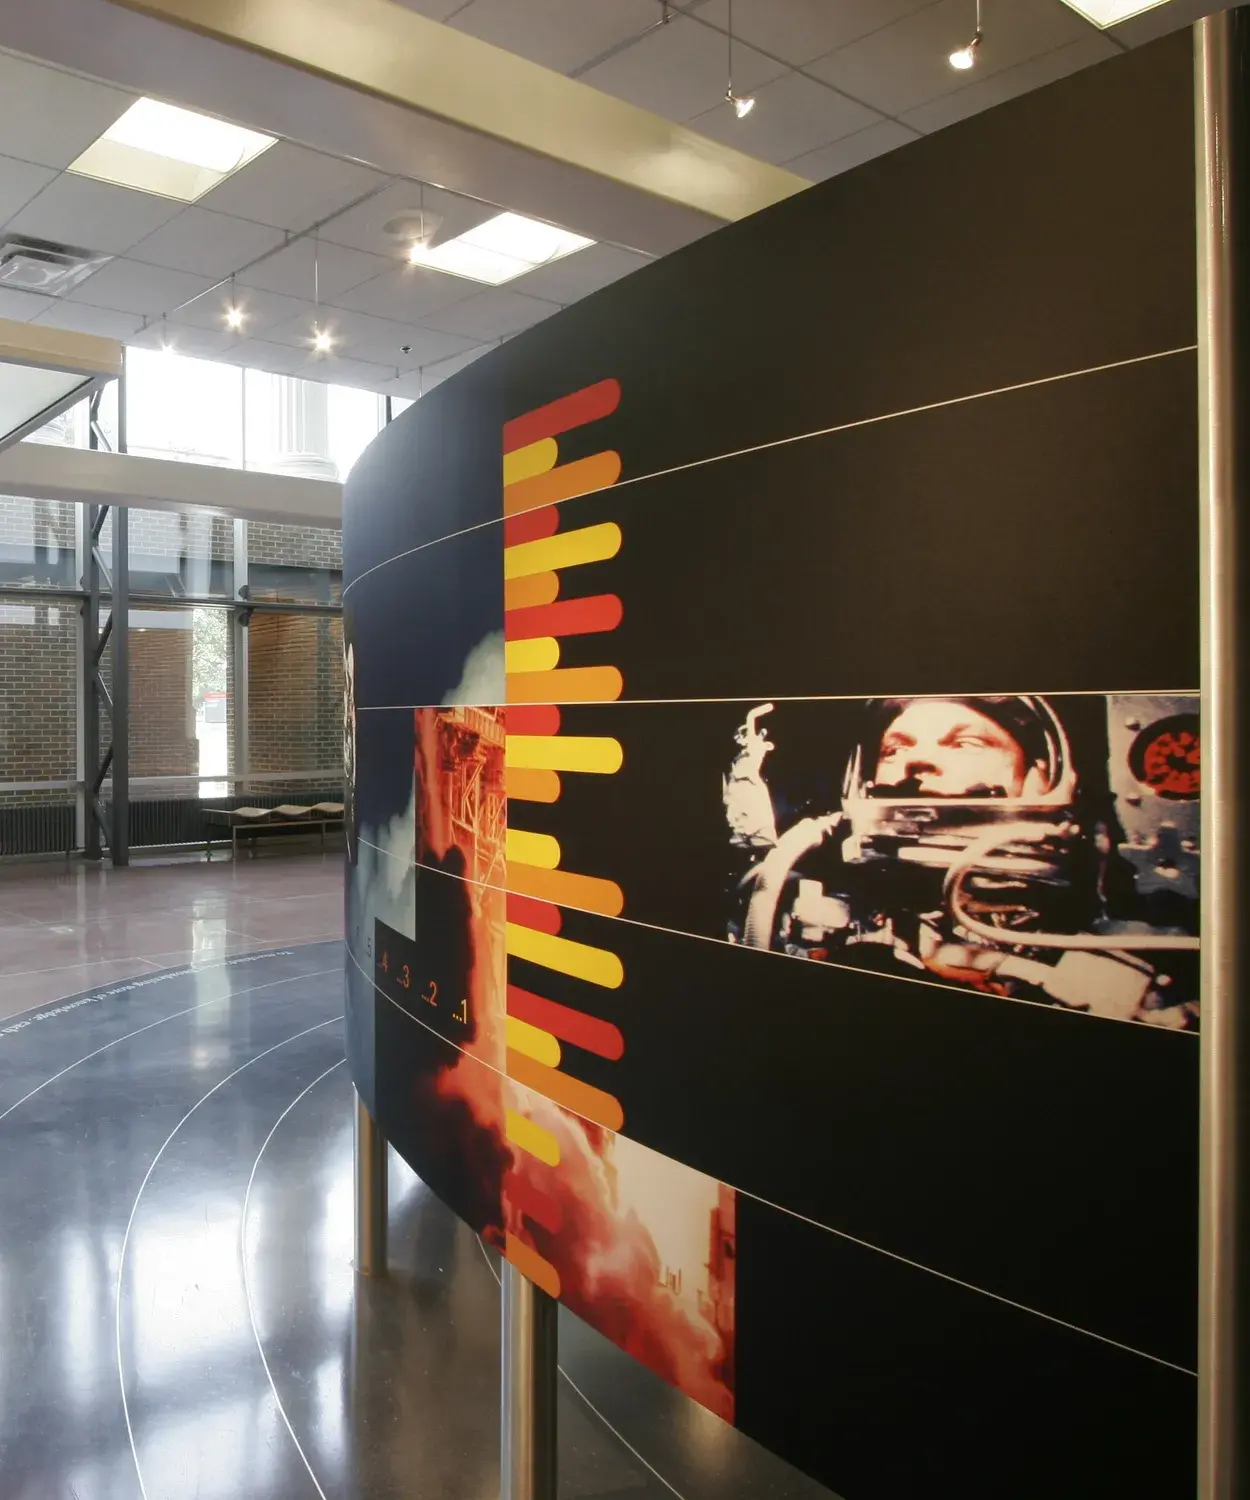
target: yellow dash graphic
540 1045
525 463
532 1265
538 654
533 1138
567 549
559 752
532 849
578 960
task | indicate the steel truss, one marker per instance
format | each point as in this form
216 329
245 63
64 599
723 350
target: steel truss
100 700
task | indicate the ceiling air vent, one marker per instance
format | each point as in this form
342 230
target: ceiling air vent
42 266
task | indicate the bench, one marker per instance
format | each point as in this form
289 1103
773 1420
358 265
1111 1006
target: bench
253 823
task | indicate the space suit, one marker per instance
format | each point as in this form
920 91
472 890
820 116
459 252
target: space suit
964 851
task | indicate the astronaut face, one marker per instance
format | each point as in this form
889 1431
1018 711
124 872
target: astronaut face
939 748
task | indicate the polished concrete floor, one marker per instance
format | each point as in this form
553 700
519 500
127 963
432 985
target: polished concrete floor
179 1316
65 926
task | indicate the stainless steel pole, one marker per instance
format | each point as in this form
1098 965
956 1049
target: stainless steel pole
370 1194
119 606
1223 1361
528 1416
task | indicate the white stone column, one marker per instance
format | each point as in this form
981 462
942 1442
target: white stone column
303 446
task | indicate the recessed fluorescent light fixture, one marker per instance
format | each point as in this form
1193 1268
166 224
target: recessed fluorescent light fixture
503 248
176 153
1106 13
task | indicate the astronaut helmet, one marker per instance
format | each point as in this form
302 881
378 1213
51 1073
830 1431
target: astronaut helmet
928 775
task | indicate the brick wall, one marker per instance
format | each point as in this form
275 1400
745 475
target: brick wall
298 546
38 656
295 692
162 723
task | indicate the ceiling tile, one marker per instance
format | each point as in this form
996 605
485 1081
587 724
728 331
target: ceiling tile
491 314
799 30
560 34
354 372
680 70
364 227
1010 82
291 187
791 115
263 310
350 331
260 354
207 243
303 266
22 307
358 336
905 65
93 215
852 150
51 117
408 293
104 322
19 182
196 343
576 276
129 286
427 346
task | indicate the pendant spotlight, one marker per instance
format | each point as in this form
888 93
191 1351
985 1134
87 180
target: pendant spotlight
322 338
965 57
235 316
743 103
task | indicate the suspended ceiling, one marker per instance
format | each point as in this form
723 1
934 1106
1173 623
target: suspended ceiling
836 82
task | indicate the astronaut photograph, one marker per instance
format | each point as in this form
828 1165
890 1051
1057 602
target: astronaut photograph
1035 848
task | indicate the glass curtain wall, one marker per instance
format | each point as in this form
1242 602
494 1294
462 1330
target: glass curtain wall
232 695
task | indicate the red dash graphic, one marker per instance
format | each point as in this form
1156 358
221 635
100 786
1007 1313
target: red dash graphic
532 718
533 1203
565 617
531 525
539 916
583 406
587 1032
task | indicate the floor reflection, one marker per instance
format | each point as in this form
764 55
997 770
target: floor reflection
177 1182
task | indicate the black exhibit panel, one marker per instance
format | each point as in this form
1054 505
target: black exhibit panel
774 890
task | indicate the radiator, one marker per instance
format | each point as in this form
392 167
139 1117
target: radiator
36 829
50 829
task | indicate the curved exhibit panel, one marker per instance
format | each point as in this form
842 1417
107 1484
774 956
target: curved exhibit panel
774 767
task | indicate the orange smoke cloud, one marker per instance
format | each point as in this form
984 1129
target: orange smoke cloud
611 1273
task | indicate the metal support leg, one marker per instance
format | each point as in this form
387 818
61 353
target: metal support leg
528 1416
370 1194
